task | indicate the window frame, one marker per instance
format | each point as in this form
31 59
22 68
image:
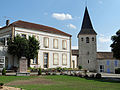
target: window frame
44 42
62 59
64 48
57 59
54 44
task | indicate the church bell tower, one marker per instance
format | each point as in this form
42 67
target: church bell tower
87 44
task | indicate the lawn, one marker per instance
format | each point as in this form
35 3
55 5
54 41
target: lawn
65 83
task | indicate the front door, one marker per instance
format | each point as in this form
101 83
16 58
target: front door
45 60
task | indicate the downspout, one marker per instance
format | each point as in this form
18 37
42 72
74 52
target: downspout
70 53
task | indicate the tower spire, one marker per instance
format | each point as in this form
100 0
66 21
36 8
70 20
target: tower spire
87 27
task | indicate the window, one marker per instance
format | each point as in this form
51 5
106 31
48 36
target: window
87 39
23 35
34 61
55 59
46 42
108 62
64 44
116 63
2 41
55 43
81 39
101 68
46 58
64 59
88 61
92 38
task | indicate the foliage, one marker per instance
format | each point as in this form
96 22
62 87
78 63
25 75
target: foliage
18 47
33 47
116 45
117 71
4 71
23 47
80 67
39 71
98 76
58 69
1 84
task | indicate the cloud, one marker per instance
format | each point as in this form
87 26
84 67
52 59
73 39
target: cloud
74 47
62 16
102 38
71 26
100 2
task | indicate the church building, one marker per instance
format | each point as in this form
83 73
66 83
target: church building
87 55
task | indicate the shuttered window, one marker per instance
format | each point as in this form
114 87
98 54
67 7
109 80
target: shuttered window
64 59
55 43
46 42
55 59
64 44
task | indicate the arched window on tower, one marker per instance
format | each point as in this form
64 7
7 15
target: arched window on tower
87 39
81 39
92 38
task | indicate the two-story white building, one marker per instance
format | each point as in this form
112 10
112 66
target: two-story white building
55 45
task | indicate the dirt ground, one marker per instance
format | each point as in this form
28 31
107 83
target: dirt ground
30 82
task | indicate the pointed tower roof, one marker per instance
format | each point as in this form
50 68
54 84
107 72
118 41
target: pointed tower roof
87 27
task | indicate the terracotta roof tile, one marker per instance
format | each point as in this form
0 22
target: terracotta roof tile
33 26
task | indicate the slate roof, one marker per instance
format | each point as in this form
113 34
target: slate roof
100 55
33 26
87 27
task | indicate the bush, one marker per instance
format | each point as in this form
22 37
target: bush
86 76
98 76
1 84
117 71
92 76
59 69
39 71
80 67
4 71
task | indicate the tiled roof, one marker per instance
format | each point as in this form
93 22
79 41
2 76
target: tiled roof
87 27
33 26
105 55
100 55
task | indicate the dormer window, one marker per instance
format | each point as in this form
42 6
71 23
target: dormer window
87 39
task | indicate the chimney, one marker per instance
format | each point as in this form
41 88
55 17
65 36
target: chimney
7 22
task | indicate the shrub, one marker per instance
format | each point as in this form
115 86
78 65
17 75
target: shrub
80 67
1 84
117 71
98 76
39 71
4 71
92 76
59 69
86 76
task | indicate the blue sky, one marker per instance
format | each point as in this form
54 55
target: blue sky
66 15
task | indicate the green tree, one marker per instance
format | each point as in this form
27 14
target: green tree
33 49
24 47
116 45
18 47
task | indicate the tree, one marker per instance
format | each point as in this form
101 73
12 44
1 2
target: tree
116 45
18 47
33 49
23 47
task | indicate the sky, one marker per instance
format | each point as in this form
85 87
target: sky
67 16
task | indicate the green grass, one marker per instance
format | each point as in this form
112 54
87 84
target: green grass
67 83
6 79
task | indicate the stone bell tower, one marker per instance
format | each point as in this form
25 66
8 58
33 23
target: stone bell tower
87 44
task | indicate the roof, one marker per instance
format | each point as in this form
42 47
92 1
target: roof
33 26
105 55
100 55
87 27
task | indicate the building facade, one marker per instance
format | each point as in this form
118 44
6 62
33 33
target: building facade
55 45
